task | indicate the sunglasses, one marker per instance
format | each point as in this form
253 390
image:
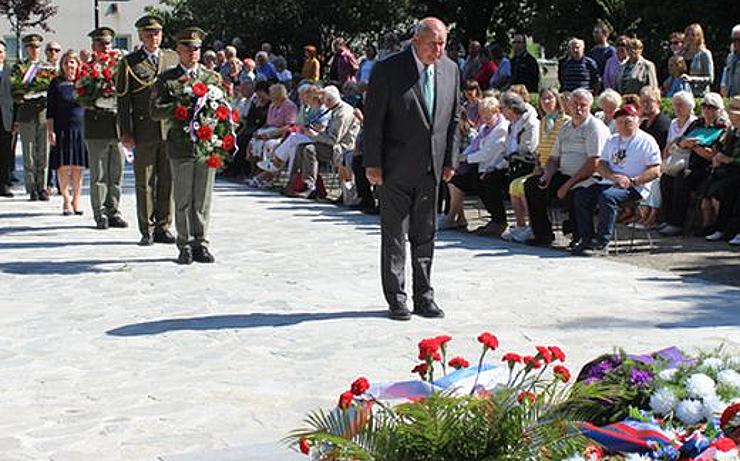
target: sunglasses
676 43
55 50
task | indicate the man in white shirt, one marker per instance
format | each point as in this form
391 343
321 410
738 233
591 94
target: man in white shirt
630 159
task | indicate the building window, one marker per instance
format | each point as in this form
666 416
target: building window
122 42
11 47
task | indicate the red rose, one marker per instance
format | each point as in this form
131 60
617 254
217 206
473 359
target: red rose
181 112
529 397
421 368
82 91
200 89
214 161
512 358
103 57
346 399
723 444
107 74
488 340
222 113
557 353
95 74
459 362
561 373
594 451
428 348
304 446
235 116
360 386
228 143
545 353
204 133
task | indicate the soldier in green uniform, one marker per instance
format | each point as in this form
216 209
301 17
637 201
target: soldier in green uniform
31 119
106 160
193 180
135 79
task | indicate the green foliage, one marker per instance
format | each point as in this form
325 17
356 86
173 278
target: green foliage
444 427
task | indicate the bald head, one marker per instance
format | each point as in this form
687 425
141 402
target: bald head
430 40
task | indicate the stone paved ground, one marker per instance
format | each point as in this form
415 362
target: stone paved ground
109 351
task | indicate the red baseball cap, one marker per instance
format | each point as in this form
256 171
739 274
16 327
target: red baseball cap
627 109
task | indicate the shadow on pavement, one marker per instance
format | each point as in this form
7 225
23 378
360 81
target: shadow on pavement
40 245
237 321
20 229
73 267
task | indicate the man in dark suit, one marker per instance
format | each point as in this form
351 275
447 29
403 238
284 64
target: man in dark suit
411 114
7 156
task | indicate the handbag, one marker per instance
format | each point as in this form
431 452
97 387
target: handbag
677 161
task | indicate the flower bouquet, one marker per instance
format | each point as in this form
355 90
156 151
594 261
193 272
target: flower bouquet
95 87
31 80
520 410
209 120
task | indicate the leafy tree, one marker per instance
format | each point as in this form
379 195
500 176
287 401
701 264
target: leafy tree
27 14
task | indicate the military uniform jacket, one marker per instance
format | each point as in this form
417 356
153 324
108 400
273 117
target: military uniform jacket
163 103
135 79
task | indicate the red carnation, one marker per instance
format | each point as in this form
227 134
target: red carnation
214 161
181 112
594 452
421 368
459 362
304 446
530 397
428 348
531 362
512 358
235 116
222 113
200 89
443 340
346 399
228 143
557 353
360 386
488 340
562 373
545 353
204 133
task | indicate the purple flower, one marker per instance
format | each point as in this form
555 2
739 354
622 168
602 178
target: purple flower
640 378
599 370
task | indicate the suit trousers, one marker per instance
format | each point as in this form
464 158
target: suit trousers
7 157
539 199
308 157
153 175
407 208
193 185
106 175
35 154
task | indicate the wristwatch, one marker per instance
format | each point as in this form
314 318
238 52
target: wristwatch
633 181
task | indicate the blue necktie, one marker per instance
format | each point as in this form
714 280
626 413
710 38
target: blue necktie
427 89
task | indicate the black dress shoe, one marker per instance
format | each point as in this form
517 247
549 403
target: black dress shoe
79 212
537 242
429 310
186 256
399 313
164 236
67 213
146 240
101 223
202 255
117 221
34 196
43 195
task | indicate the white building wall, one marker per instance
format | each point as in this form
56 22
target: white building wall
76 18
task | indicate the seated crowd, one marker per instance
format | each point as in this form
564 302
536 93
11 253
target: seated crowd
601 148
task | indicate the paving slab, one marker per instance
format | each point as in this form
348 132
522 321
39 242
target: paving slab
112 351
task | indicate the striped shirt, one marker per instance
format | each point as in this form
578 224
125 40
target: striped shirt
583 73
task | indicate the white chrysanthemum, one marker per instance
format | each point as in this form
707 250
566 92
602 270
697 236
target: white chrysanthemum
663 401
712 363
700 385
575 458
731 455
215 93
668 374
690 411
188 90
636 457
729 378
713 406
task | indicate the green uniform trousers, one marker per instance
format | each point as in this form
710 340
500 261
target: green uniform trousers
106 176
35 153
153 187
193 183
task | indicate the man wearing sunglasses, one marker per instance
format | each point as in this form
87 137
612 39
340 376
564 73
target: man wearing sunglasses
731 76
135 78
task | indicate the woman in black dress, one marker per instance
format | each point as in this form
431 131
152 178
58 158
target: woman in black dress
65 122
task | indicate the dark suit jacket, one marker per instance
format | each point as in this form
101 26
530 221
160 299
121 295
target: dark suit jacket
399 135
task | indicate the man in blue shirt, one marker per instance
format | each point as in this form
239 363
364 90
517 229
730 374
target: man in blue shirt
578 70
731 76
602 50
